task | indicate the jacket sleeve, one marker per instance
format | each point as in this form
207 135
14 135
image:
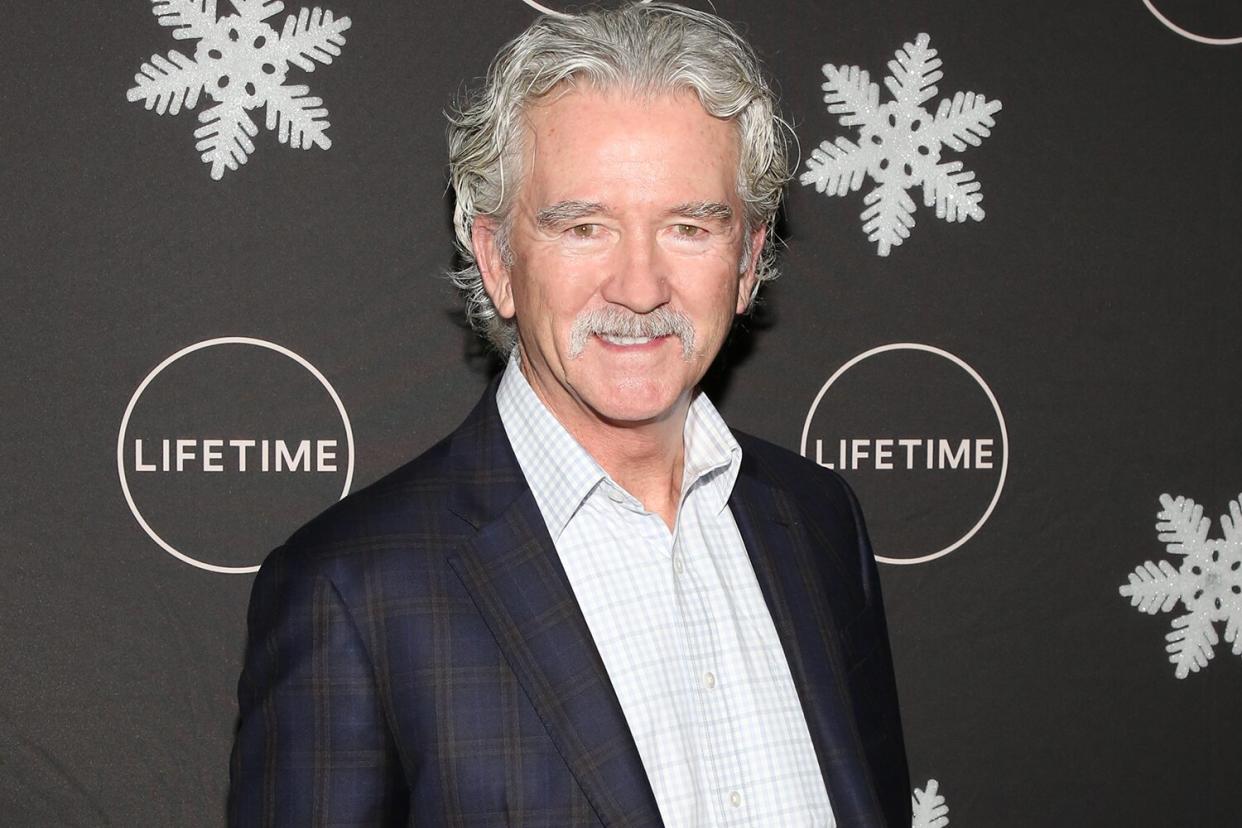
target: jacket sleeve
312 746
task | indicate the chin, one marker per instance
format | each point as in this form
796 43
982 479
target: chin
636 400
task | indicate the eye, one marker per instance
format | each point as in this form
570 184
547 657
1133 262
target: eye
584 231
689 231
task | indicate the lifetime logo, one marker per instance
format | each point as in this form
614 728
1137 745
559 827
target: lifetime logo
227 446
889 454
920 437
218 455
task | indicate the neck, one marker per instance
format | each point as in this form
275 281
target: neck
645 458
645 461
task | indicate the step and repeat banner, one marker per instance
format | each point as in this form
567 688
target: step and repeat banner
1010 315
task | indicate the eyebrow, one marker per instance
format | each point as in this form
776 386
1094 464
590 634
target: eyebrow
561 212
704 210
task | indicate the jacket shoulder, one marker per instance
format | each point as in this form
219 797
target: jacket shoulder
808 482
822 503
405 505
393 504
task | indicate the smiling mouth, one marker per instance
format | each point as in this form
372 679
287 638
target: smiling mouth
613 339
623 331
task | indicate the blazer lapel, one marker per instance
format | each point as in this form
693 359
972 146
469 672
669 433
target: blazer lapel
794 587
513 573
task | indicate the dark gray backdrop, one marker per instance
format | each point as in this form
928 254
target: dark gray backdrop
1099 299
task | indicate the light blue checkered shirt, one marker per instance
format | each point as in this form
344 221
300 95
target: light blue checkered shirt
680 623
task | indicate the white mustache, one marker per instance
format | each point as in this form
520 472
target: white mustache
613 321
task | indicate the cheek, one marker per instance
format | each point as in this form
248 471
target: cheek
724 310
723 300
556 297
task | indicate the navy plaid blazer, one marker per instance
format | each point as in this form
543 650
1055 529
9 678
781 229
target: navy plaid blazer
416 655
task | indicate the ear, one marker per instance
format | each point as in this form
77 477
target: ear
746 284
496 274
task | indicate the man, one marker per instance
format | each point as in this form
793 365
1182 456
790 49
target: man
591 604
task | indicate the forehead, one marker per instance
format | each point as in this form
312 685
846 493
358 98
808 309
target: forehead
586 142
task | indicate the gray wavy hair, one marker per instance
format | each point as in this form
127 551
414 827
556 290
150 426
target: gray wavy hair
644 48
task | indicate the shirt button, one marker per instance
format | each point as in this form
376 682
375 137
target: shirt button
615 496
735 799
678 565
709 680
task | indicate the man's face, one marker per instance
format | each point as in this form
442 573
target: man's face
628 211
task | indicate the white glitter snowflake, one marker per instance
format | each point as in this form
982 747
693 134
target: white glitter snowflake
241 62
930 810
1208 582
899 144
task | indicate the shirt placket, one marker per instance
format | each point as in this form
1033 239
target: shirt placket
651 536
707 686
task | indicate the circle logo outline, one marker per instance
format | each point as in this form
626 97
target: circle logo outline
1197 38
189 349
1000 419
539 7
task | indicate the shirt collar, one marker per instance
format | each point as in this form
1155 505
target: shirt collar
557 468
713 457
561 473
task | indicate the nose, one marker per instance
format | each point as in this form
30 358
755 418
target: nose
639 277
